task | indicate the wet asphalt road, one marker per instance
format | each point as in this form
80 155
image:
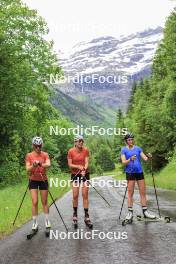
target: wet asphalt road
146 242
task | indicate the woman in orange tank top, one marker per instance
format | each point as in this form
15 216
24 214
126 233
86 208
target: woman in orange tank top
78 161
36 163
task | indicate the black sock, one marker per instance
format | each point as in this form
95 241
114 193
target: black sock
144 208
75 211
86 212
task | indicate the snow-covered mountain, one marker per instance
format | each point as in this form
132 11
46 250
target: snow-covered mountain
104 68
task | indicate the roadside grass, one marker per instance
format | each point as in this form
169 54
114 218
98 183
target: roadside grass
117 173
10 198
165 179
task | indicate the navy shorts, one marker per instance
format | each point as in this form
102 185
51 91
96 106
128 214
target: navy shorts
41 185
134 176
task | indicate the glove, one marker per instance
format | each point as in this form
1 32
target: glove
133 158
36 164
149 155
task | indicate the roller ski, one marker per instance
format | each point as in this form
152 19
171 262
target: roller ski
75 222
34 231
88 223
48 228
128 219
148 217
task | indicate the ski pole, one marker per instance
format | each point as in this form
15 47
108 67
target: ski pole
76 175
155 189
99 194
58 211
56 198
123 201
125 192
96 190
55 205
20 205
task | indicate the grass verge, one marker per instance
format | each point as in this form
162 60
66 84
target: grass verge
10 198
165 179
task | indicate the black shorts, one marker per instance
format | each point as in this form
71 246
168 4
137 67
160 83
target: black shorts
134 176
41 185
79 177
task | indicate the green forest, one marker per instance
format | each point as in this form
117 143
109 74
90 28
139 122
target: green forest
27 60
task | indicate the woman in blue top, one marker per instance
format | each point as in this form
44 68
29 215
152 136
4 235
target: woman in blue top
131 157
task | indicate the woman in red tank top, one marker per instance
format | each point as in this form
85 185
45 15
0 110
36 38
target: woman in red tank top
36 163
78 161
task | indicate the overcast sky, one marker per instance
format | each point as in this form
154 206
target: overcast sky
73 21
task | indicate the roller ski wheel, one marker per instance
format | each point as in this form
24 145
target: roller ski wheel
32 234
88 223
127 222
75 222
47 231
167 219
48 228
128 219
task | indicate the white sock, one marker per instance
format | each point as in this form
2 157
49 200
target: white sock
34 218
46 216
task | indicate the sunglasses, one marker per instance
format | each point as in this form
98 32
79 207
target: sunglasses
38 146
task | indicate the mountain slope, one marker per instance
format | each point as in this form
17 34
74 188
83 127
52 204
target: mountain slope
86 112
122 60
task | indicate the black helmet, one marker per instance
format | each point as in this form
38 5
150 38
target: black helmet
128 135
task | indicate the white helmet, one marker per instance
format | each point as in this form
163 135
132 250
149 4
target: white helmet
37 141
78 137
